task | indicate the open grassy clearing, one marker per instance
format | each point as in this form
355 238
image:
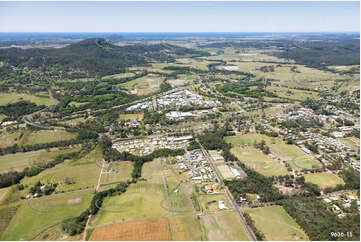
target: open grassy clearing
224 225
19 161
2 116
292 93
7 212
144 85
324 180
150 230
45 136
119 76
258 161
43 99
123 172
9 139
131 116
276 224
291 154
186 227
209 202
141 200
44 212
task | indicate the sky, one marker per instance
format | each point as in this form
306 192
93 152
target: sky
179 16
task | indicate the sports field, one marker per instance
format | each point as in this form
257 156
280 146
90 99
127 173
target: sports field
224 225
258 161
324 180
294 156
225 171
275 223
35 215
6 98
153 230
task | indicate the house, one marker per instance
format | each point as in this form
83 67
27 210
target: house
209 188
221 205
351 197
336 207
327 200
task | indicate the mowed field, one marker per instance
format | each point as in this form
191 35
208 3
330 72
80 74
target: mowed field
123 172
36 215
45 136
144 85
150 230
9 139
6 98
224 225
186 227
324 180
258 161
141 200
275 223
130 116
19 161
293 155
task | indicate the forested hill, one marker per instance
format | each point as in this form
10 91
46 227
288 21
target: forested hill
93 56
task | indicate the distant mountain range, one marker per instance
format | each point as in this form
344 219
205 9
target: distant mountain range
94 56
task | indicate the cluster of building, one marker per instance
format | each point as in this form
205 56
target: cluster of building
147 146
184 98
335 203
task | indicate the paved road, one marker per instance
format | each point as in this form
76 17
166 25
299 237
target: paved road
229 194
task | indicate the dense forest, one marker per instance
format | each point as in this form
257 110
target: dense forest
94 56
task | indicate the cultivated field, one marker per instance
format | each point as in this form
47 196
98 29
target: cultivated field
324 180
153 230
276 224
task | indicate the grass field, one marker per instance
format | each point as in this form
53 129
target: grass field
124 170
350 143
209 202
35 215
224 225
21 160
131 116
141 200
323 180
6 98
258 161
6 215
144 85
186 227
276 224
9 139
45 136
294 156
150 230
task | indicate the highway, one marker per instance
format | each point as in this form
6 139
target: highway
228 193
